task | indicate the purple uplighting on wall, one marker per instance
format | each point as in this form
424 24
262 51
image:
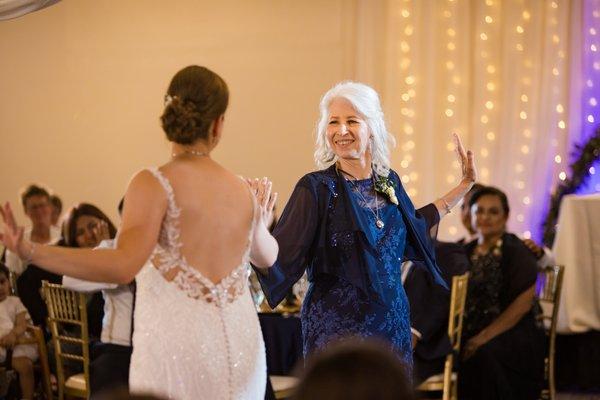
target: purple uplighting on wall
590 99
584 118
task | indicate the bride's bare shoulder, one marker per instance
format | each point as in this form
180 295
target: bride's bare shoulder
145 179
145 188
209 172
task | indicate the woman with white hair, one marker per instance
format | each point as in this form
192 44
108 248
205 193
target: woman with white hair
351 224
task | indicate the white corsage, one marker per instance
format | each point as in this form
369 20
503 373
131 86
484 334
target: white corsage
384 185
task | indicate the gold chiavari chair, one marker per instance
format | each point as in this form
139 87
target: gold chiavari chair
283 386
12 278
548 288
447 381
35 335
67 309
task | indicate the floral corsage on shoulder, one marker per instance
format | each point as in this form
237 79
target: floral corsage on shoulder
385 186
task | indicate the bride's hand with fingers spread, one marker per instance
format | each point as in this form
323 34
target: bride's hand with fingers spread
264 246
12 234
265 199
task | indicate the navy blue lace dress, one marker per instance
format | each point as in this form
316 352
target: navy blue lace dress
334 308
328 230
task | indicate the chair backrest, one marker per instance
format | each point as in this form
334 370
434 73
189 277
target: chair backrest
67 320
458 295
548 287
12 278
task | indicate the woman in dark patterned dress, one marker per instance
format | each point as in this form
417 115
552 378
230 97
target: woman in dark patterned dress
504 348
351 224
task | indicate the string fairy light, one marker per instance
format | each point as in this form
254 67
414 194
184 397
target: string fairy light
520 36
486 106
450 92
591 70
452 89
408 94
491 107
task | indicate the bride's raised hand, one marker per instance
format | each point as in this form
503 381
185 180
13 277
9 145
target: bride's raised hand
264 246
12 234
265 198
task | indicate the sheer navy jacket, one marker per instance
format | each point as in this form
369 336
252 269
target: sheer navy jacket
322 230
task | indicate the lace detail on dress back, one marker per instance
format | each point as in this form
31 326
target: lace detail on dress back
173 266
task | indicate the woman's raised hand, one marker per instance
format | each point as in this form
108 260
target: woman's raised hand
12 234
467 161
469 175
265 198
101 232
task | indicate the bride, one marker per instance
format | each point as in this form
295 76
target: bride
189 230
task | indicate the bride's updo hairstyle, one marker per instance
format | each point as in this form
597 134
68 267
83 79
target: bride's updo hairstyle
195 98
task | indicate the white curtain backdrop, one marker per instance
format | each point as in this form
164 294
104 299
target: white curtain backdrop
502 74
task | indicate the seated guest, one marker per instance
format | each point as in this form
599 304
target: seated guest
86 226
465 214
429 308
13 324
354 370
77 232
543 254
36 204
109 367
56 204
503 351
28 289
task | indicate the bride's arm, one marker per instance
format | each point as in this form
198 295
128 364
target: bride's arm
145 206
264 249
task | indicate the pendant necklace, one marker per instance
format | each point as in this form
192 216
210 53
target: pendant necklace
191 152
378 222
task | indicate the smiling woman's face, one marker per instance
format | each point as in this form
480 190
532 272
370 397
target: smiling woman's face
488 216
86 234
347 132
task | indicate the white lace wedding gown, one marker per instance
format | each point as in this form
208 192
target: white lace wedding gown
194 339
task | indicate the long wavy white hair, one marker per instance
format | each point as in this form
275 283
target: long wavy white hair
365 101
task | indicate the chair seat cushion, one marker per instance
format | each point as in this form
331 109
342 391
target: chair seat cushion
283 385
435 382
76 382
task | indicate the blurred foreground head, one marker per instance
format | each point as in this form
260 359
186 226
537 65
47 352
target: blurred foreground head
355 370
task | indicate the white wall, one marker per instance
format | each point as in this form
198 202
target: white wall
82 85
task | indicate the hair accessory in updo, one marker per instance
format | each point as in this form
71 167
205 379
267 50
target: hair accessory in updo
169 99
